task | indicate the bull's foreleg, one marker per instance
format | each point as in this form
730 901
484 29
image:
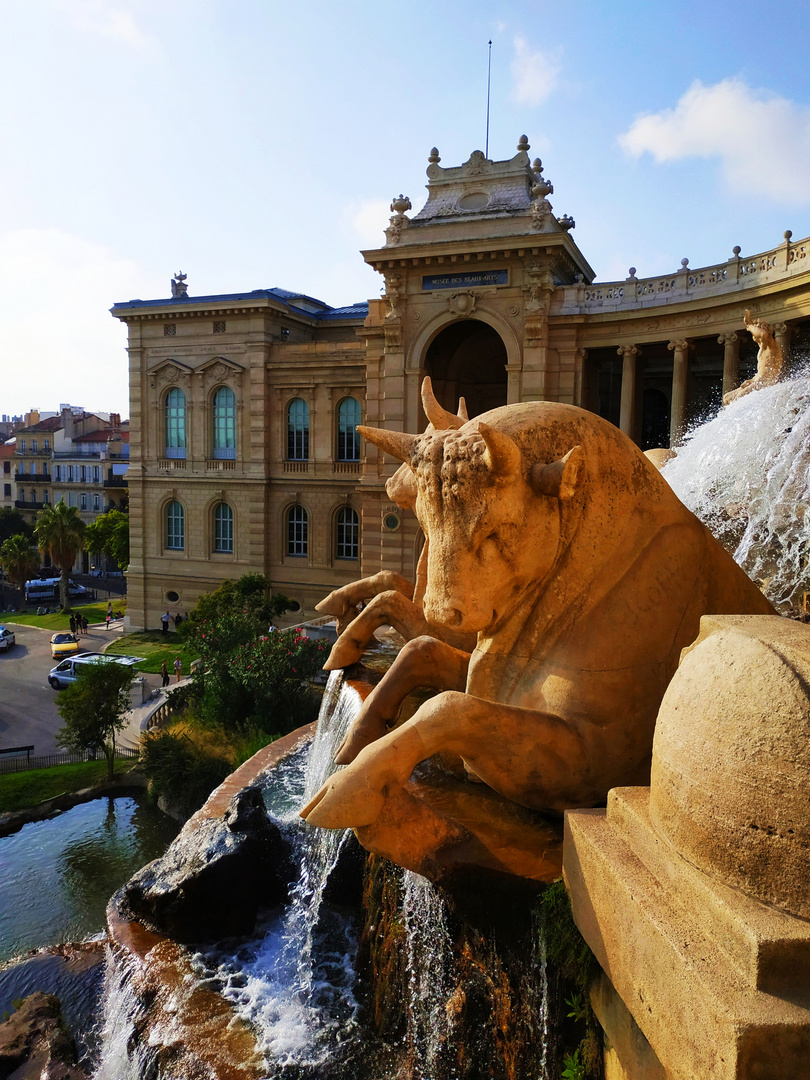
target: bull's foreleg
343 602
533 758
422 662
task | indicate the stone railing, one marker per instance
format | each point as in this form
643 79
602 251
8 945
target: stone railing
686 284
296 466
220 465
346 468
171 463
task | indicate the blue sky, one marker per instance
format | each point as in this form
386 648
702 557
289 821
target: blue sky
253 143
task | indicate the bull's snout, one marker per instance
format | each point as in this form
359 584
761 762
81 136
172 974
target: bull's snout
443 615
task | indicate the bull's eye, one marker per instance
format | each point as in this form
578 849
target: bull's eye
493 536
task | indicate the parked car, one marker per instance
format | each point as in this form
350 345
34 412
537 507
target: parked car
7 639
64 644
69 670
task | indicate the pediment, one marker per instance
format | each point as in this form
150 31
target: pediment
168 371
222 362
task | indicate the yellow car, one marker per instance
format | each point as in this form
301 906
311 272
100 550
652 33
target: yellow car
63 645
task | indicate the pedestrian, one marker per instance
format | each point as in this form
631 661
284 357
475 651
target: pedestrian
164 673
177 620
164 622
178 667
73 624
109 619
109 607
85 624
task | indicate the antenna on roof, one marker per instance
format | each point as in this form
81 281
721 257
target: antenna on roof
489 76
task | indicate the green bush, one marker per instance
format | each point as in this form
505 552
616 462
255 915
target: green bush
181 770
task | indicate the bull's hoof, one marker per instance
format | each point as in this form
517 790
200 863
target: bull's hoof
344 802
344 652
357 739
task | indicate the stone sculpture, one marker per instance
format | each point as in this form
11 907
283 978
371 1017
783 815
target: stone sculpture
552 539
769 359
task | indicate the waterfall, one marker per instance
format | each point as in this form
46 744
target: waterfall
746 475
429 958
294 982
122 1055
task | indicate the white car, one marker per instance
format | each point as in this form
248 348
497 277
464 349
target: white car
7 639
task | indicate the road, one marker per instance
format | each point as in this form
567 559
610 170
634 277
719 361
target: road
28 713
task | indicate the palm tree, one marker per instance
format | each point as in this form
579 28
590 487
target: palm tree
60 531
19 558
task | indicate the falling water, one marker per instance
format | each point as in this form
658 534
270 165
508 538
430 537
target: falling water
746 474
294 981
429 958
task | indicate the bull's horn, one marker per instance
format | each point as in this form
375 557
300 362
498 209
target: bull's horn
560 479
441 419
503 455
462 410
396 443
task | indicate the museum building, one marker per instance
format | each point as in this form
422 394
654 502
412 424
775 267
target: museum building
243 451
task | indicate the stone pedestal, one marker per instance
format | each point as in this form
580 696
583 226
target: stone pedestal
704 980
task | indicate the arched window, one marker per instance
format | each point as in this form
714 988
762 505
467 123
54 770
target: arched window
175 424
298 430
224 423
175 526
348 441
223 528
348 534
297 530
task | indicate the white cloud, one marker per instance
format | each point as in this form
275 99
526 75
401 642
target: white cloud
368 221
58 341
534 73
98 17
762 140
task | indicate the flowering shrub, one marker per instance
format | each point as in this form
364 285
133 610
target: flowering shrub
256 682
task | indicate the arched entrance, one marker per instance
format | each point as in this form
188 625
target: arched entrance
468 359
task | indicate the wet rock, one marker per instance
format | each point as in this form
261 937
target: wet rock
215 876
344 886
33 1043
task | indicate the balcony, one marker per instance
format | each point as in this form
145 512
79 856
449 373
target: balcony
171 463
347 468
31 478
219 465
115 482
296 466
21 504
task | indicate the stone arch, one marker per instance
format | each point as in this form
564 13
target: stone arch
467 357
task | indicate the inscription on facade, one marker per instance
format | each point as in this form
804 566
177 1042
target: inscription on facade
471 278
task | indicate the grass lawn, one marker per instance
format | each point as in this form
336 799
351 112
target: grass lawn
95 613
20 790
155 647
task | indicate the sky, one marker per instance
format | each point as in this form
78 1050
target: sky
255 143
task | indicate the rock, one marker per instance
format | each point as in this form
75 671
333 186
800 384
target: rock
215 876
33 1043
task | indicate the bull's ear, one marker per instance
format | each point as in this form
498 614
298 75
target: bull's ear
401 488
395 443
441 419
502 454
462 410
560 479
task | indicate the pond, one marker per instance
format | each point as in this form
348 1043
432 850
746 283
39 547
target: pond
56 876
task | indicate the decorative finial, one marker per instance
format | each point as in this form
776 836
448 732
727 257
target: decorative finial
537 165
524 143
787 233
434 158
736 250
399 204
684 263
566 222
179 287
632 271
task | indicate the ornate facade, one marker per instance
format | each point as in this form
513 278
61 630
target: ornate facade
243 406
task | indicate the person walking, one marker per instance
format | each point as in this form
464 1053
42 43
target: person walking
85 624
109 619
178 667
73 624
164 673
164 622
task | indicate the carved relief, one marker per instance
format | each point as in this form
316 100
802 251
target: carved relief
177 374
462 303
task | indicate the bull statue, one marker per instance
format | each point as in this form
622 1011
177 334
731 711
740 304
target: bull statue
560 579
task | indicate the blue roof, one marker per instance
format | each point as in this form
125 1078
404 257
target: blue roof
285 296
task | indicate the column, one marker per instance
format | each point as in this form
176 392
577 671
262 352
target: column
580 356
627 414
782 332
680 377
731 360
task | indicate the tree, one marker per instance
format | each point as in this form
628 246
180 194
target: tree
94 709
12 523
59 530
247 601
20 559
109 535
